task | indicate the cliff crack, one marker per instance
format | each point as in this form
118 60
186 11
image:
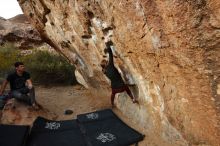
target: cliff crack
144 19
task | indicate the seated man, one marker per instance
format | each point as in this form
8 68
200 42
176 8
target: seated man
21 85
117 83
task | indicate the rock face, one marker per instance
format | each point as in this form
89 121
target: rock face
168 51
20 32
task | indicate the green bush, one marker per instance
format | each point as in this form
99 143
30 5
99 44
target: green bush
45 67
8 55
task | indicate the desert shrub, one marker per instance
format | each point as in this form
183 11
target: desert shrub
45 67
49 68
8 55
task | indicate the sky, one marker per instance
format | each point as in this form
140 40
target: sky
9 8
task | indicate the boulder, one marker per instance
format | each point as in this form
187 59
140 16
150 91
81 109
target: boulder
19 31
168 51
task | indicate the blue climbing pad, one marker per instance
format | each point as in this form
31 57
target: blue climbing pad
104 128
55 133
13 135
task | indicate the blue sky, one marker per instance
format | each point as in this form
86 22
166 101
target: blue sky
9 8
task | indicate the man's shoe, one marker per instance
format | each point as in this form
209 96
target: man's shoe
135 101
35 106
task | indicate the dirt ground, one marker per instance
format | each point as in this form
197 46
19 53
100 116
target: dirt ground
57 99
79 100
75 98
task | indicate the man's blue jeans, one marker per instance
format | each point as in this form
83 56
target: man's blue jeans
24 94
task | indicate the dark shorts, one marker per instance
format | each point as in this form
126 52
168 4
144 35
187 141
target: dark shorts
121 89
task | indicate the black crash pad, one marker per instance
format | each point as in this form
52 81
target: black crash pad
102 129
96 116
55 133
13 135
